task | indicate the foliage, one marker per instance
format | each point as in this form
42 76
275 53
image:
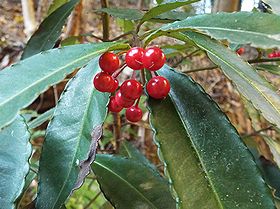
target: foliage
206 164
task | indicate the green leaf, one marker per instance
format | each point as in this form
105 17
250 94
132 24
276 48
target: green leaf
172 16
258 29
165 7
55 5
49 31
129 184
70 138
15 151
128 150
249 83
274 69
41 119
21 83
205 159
270 172
123 13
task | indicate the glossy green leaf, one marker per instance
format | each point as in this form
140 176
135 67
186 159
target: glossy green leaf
258 29
274 69
15 151
165 7
69 137
270 172
128 150
205 159
249 83
41 119
129 184
55 5
21 83
123 13
49 30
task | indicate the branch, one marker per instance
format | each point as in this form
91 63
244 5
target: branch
105 21
216 66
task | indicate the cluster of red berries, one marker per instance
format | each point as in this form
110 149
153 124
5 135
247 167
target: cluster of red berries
274 54
129 93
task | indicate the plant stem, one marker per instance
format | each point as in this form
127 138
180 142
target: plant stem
122 35
105 21
258 131
92 200
216 66
201 69
264 60
117 130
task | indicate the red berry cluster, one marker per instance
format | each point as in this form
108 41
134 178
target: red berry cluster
274 54
129 93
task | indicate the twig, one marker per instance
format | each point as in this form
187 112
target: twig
122 35
201 69
216 66
105 21
92 200
258 131
97 37
117 129
184 57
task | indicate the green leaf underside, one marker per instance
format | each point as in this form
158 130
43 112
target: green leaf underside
162 8
49 30
21 83
41 119
274 69
135 14
258 29
207 163
55 5
249 83
123 13
129 184
68 137
15 151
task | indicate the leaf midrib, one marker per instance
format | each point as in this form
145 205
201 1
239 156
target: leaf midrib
77 145
131 186
49 75
198 155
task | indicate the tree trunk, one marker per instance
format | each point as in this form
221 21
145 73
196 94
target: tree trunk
29 19
226 6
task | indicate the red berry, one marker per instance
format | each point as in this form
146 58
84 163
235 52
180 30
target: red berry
109 62
153 58
113 105
133 58
122 101
103 82
131 89
158 87
277 54
240 51
271 55
115 86
133 114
